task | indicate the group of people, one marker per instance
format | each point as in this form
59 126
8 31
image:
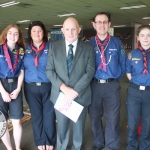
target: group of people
18 63
86 72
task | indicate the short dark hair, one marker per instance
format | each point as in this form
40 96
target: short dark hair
102 13
141 28
40 24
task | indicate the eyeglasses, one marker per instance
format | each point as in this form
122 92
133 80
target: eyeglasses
100 23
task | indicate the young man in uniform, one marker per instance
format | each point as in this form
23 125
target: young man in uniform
110 67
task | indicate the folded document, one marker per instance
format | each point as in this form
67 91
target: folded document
72 110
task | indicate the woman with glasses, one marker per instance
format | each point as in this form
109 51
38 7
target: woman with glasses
11 77
37 87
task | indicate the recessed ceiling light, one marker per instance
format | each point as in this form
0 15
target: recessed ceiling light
26 28
23 21
146 18
63 15
59 25
132 7
119 26
9 4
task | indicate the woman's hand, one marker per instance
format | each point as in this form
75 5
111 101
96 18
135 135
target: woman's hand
14 94
129 76
6 97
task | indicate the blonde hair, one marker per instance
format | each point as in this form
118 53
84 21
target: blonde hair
3 36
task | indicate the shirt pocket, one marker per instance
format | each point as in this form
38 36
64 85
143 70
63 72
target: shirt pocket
28 60
112 57
96 51
42 60
3 65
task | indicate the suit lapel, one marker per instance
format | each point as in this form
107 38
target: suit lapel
77 54
63 54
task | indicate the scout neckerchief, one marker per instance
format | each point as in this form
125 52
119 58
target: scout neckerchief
102 46
144 53
37 52
8 59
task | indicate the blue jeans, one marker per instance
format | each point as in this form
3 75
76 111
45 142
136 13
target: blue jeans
138 104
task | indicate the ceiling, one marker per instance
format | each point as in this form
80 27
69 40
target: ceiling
47 11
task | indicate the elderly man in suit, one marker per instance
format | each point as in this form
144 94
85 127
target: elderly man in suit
73 81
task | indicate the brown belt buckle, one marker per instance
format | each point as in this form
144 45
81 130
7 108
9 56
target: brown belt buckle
10 80
38 83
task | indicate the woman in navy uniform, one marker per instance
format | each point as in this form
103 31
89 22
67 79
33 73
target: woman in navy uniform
138 93
11 77
37 87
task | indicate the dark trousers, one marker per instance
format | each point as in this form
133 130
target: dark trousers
43 114
138 104
106 100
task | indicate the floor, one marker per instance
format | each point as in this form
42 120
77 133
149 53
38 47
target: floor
28 142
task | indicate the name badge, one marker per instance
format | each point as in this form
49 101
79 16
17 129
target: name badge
142 88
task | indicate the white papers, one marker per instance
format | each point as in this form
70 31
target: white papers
72 111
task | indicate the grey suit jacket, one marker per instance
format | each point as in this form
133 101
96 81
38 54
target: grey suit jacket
82 71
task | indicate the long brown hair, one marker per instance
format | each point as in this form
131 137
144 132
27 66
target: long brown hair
3 36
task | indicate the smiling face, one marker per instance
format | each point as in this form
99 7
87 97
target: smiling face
12 36
71 30
101 25
37 34
144 38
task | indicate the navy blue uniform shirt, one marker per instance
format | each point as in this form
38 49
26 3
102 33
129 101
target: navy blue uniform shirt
135 66
33 73
115 59
5 71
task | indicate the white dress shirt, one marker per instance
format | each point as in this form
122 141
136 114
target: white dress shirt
74 47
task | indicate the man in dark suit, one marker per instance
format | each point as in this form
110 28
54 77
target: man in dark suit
75 84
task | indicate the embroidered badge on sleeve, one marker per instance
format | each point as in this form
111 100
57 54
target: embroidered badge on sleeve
122 50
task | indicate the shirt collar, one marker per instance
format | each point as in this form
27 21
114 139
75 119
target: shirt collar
35 46
74 43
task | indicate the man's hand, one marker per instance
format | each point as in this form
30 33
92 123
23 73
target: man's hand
70 93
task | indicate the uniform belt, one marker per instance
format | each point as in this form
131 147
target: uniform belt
38 83
9 80
139 87
104 81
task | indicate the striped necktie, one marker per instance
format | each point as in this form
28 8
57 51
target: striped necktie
70 58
